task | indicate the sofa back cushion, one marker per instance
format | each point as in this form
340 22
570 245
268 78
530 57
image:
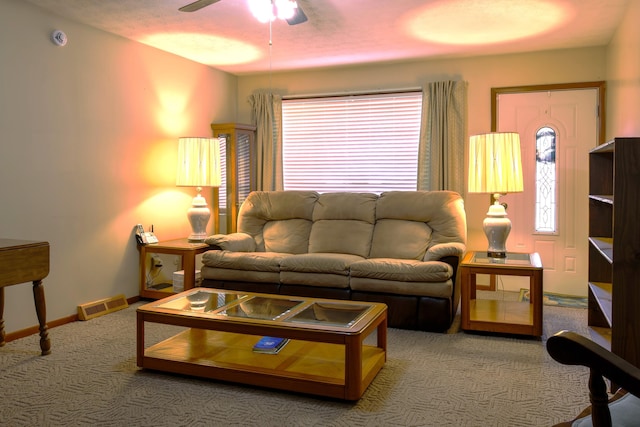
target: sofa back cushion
409 222
400 239
278 221
343 223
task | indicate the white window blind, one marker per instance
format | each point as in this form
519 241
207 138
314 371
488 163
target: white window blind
222 191
366 143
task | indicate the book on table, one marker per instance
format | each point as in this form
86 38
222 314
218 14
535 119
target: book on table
270 345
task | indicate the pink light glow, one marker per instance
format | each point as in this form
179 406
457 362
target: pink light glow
469 22
203 48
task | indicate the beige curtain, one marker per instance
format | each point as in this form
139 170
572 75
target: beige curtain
267 118
442 136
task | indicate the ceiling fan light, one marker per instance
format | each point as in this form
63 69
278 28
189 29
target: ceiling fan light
262 10
285 9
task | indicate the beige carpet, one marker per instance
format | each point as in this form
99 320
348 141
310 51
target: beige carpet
457 379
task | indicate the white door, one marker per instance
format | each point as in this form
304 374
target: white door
572 116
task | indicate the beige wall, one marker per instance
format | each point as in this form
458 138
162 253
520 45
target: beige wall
623 77
89 135
482 73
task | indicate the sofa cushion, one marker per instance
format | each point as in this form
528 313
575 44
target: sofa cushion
317 269
261 207
403 270
319 263
443 211
407 277
343 223
288 236
255 261
393 238
348 206
341 237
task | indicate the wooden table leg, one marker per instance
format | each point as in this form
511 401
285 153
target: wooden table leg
2 317
41 311
139 339
353 368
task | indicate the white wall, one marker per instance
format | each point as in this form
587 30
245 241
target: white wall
623 76
482 73
89 135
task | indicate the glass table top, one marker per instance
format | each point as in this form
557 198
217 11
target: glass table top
295 310
335 314
511 259
258 307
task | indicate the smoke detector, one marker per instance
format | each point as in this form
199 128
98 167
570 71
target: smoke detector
59 38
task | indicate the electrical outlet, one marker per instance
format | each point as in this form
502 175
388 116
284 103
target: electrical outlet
156 261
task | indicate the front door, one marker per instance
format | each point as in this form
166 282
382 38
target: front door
551 215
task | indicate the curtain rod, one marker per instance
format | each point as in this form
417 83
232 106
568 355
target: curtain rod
362 92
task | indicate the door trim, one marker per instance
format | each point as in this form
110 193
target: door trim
601 86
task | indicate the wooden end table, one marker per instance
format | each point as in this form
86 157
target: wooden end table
511 317
23 261
183 247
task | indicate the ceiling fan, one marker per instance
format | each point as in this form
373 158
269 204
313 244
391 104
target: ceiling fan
298 15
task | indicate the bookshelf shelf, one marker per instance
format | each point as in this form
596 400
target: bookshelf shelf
614 242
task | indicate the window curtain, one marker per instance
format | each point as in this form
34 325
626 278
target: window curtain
267 118
442 136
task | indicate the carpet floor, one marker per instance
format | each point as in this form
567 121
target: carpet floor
456 379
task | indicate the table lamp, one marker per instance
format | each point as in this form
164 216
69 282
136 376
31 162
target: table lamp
495 167
198 166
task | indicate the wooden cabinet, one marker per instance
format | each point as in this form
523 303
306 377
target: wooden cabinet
614 247
239 175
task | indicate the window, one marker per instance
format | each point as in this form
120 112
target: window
546 180
222 194
365 143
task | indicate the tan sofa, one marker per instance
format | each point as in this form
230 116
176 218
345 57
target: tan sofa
401 248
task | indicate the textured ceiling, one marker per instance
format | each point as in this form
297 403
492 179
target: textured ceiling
225 35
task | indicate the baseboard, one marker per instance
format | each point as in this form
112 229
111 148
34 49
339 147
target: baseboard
101 307
23 333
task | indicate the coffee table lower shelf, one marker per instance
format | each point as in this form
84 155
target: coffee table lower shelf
301 366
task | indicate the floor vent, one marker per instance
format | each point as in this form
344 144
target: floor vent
104 306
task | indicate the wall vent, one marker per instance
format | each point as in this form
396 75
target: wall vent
104 306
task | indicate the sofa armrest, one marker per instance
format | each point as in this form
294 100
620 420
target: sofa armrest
235 242
442 250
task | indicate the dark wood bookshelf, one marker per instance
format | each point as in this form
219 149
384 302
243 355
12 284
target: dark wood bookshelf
614 247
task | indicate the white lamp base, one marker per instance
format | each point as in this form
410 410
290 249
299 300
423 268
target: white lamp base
497 228
198 215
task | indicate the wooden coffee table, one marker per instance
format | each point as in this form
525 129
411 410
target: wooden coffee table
326 353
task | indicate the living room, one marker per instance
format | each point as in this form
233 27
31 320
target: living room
91 129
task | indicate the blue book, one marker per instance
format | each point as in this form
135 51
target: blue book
270 345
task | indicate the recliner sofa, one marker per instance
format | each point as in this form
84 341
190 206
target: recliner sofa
401 248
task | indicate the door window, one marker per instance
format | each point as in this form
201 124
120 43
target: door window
546 191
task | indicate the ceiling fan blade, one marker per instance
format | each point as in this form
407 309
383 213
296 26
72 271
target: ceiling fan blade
298 17
197 5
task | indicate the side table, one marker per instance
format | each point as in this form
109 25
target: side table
23 261
499 315
183 247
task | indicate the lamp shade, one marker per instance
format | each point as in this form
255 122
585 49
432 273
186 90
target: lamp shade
198 162
495 164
